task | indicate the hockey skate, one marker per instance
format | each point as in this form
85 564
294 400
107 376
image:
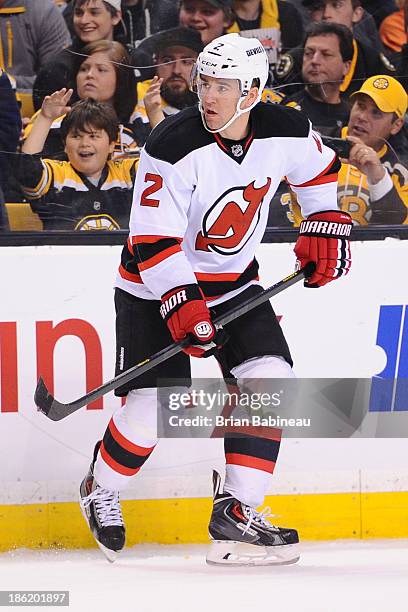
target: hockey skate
102 511
242 536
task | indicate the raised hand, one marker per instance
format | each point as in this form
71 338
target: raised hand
152 102
56 104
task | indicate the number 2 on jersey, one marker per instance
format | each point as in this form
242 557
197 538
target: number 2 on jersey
157 181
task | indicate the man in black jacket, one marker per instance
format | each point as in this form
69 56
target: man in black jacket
366 61
326 60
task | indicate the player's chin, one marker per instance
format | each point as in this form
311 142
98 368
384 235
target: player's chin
213 121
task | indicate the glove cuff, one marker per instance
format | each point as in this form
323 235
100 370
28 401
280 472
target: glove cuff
177 297
330 223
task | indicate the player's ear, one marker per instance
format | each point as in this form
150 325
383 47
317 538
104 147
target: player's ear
250 98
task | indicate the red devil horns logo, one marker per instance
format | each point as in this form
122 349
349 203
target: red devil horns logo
231 221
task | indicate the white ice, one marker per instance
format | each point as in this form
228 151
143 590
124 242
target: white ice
344 576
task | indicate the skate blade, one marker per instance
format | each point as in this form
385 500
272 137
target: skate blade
110 555
241 554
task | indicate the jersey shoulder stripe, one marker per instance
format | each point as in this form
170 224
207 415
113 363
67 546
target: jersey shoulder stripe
178 135
276 121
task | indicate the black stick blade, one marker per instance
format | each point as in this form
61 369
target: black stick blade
47 404
42 397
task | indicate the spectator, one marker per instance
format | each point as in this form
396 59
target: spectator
175 52
366 60
92 20
211 18
103 75
140 18
277 24
326 61
364 30
31 33
373 181
89 191
10 129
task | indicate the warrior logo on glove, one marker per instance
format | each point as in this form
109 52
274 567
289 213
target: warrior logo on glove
203 330
323 239
186 314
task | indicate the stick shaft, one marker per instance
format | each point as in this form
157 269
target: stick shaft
56 410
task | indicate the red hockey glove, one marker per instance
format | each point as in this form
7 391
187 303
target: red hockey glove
323 238
186 314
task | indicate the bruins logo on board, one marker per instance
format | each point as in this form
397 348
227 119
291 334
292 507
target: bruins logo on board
381 83
97 222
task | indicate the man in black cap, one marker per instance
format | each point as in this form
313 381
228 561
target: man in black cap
366 61
175 52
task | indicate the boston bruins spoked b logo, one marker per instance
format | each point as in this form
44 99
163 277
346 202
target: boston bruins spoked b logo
232 219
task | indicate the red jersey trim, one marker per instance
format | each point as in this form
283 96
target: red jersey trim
134 278
152 239
321 178
156 259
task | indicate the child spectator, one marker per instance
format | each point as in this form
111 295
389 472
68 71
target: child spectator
90 191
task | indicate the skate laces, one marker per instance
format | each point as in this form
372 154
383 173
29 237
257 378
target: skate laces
107 506
257 517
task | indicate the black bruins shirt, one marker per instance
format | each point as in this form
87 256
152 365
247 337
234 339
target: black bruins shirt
65 199
367 205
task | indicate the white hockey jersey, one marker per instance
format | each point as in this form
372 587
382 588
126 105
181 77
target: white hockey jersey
200 203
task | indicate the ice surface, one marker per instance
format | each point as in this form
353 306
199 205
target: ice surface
346 576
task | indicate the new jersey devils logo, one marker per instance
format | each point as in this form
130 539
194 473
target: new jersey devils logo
232 219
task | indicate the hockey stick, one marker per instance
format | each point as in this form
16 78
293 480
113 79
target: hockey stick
56 410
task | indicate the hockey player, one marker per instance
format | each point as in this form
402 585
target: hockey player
199 212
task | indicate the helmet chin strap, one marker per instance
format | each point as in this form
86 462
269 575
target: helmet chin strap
238 112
